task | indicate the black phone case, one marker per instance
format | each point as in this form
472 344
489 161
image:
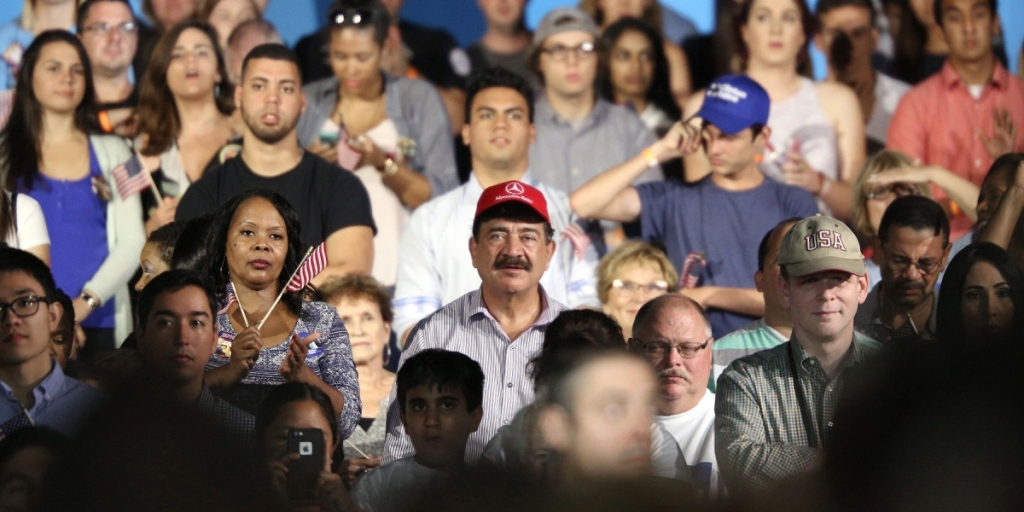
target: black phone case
302 472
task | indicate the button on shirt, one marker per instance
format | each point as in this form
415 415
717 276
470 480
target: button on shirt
466 326
435 267
61 403
936 122
568 154
759 432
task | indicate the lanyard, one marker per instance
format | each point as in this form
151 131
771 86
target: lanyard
805 415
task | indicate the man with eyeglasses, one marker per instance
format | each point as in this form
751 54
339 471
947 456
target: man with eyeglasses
110 35
578 134
912 246
848 36
675 334
33 387
774 409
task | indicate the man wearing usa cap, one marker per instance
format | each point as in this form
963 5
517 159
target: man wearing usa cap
501 324
717 220
434 267
774 409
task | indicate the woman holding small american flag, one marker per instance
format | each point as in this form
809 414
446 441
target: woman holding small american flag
268 333
49 151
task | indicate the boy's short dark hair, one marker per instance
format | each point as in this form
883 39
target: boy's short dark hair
83 13
272 51
497 77
915 212
171 281
514 211
17 260
762 248
166 237
937 10
824 6
444 370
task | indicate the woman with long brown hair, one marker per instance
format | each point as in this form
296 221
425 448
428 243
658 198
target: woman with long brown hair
185 107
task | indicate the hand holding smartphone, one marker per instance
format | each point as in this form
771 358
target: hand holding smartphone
308 444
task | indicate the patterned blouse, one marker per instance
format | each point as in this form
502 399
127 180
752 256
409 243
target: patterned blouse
370 441
330 357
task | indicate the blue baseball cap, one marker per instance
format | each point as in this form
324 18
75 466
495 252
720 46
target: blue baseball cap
733 103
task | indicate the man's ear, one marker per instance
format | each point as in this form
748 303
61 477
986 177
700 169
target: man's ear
758 281
533 133
55 310
551 252
783 291
478 414
819 43
472 250
466 139
553 422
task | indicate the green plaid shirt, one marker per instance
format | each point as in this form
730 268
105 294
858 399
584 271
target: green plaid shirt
759 433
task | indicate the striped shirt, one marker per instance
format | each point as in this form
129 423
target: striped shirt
759 432
466 326
435 267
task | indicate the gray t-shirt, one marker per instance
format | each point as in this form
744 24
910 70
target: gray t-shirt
391 486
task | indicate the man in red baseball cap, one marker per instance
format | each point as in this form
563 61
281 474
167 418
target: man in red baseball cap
500 325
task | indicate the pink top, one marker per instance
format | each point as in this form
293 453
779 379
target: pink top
935 123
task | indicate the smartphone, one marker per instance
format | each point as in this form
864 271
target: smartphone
308 443
329 139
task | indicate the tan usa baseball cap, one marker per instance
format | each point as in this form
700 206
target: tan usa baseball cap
820 243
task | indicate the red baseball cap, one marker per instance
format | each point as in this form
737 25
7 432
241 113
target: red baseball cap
513 191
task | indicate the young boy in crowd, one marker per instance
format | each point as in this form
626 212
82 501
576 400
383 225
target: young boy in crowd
440 395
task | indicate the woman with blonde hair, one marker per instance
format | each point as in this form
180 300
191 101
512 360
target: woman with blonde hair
889 175
629 276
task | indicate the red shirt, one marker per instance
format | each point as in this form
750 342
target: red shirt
935 123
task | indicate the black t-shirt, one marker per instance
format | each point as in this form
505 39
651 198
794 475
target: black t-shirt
326 197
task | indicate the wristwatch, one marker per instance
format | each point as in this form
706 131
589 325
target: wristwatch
93 302
390 167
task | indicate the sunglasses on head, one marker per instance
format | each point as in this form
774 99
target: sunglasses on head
352 17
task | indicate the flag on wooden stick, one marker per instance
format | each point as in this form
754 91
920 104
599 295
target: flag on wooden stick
314 263
131 177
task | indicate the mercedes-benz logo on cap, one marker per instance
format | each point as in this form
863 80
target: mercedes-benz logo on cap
514 188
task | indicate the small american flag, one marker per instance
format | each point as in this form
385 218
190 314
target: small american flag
314 262
231 300
348 158
693 268
131 177
579 239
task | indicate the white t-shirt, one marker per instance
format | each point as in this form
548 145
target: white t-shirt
389 487
31 227
694 431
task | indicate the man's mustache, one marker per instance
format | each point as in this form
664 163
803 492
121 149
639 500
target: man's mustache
512 261
672 372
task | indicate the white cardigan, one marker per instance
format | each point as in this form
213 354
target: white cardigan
125 237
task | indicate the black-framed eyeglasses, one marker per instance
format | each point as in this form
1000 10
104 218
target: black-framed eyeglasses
22 306
900 264
659 350
128 28
352 17
631 288
559 52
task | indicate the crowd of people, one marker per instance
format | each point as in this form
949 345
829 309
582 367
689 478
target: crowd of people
607 264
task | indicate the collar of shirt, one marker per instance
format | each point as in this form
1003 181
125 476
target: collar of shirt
544 111
474 189
45 390
854 355
951 79
875 298
477 309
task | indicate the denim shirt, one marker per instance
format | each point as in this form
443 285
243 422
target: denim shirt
418 113
61 403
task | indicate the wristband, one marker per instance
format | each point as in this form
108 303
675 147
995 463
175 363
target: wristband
826 184
652 159
104 119
390 167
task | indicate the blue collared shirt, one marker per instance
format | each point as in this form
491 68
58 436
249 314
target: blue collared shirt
61 403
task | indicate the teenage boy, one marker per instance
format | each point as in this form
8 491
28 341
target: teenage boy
33 388
440 396
720 218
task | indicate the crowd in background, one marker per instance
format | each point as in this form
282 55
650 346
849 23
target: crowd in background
608 263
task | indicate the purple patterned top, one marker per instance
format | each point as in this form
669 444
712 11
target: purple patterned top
330 357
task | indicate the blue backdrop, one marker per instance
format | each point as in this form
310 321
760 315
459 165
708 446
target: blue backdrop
295 18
